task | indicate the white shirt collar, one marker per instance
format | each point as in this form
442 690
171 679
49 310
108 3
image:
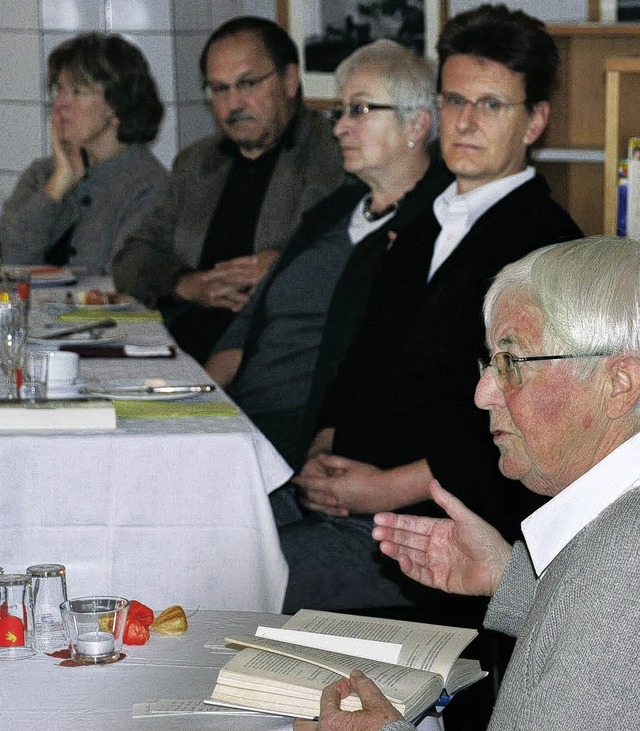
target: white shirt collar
556 523
456 214
480 200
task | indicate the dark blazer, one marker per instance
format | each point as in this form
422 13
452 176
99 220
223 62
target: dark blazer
171 238
405 389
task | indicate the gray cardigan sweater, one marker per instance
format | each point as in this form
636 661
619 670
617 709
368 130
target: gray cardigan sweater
105 207
575 662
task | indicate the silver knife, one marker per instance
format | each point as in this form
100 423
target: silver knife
86 327
196 388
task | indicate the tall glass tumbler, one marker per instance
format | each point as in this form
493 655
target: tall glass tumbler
17 635
13 337
49 587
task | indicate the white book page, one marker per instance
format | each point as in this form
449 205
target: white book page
371 649
295 664
425 646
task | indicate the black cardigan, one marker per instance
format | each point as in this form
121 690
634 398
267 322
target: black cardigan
405 389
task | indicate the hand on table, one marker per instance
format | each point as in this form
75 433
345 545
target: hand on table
68 165
376 709
462 554
229 284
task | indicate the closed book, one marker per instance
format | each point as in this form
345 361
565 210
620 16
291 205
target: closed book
57 414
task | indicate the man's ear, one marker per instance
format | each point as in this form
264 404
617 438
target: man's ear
420 125
624 385
538 118
291 80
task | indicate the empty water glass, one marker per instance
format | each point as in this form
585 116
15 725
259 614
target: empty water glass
13 336
49 586
17 636
35 368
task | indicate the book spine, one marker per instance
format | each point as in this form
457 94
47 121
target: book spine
633 189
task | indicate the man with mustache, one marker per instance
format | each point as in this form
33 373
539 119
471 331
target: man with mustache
236 196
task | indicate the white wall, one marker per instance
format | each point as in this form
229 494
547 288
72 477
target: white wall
171 33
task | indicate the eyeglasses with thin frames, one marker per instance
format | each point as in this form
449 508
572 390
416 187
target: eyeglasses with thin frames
506 370
77 91
244 86
358 110
487 107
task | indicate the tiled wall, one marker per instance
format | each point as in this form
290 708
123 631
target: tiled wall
171 33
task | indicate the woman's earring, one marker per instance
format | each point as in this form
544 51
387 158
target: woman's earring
411 144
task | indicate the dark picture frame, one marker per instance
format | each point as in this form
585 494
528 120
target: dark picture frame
341 26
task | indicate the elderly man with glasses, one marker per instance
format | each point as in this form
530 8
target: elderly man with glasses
237 196
563 396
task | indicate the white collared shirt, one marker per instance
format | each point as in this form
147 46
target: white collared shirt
556 523
456 214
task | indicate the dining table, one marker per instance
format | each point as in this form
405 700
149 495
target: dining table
171 506
161 685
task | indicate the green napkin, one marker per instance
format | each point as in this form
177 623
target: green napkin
98 313
172 409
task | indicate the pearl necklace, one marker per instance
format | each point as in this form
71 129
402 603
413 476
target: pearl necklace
377 215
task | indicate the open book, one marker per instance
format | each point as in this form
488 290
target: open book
283 671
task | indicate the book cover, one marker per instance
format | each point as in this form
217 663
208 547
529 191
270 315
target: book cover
57 414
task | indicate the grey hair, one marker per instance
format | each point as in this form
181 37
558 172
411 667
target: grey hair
588 292
408 78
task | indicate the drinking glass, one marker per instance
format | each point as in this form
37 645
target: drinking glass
94 626
49 587
17 636
13 336
35 368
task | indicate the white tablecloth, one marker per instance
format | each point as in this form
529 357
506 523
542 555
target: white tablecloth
164 511
39 693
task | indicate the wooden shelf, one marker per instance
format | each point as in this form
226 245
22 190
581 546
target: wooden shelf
577 122
568 154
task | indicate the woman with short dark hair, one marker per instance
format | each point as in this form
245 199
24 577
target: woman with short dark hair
78 205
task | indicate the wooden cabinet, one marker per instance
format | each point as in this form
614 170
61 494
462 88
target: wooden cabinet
575 138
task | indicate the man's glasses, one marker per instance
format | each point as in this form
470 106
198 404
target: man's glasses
506 370
487 107
358 110
244 86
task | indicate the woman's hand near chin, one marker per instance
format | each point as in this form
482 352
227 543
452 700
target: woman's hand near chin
68 165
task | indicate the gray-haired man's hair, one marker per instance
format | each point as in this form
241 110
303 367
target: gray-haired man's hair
588 292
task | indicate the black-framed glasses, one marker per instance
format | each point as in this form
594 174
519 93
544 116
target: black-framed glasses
246 85
488 107
358 110
506 370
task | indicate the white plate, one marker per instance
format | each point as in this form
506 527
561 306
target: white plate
74 391
109 389
50 276
60 303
